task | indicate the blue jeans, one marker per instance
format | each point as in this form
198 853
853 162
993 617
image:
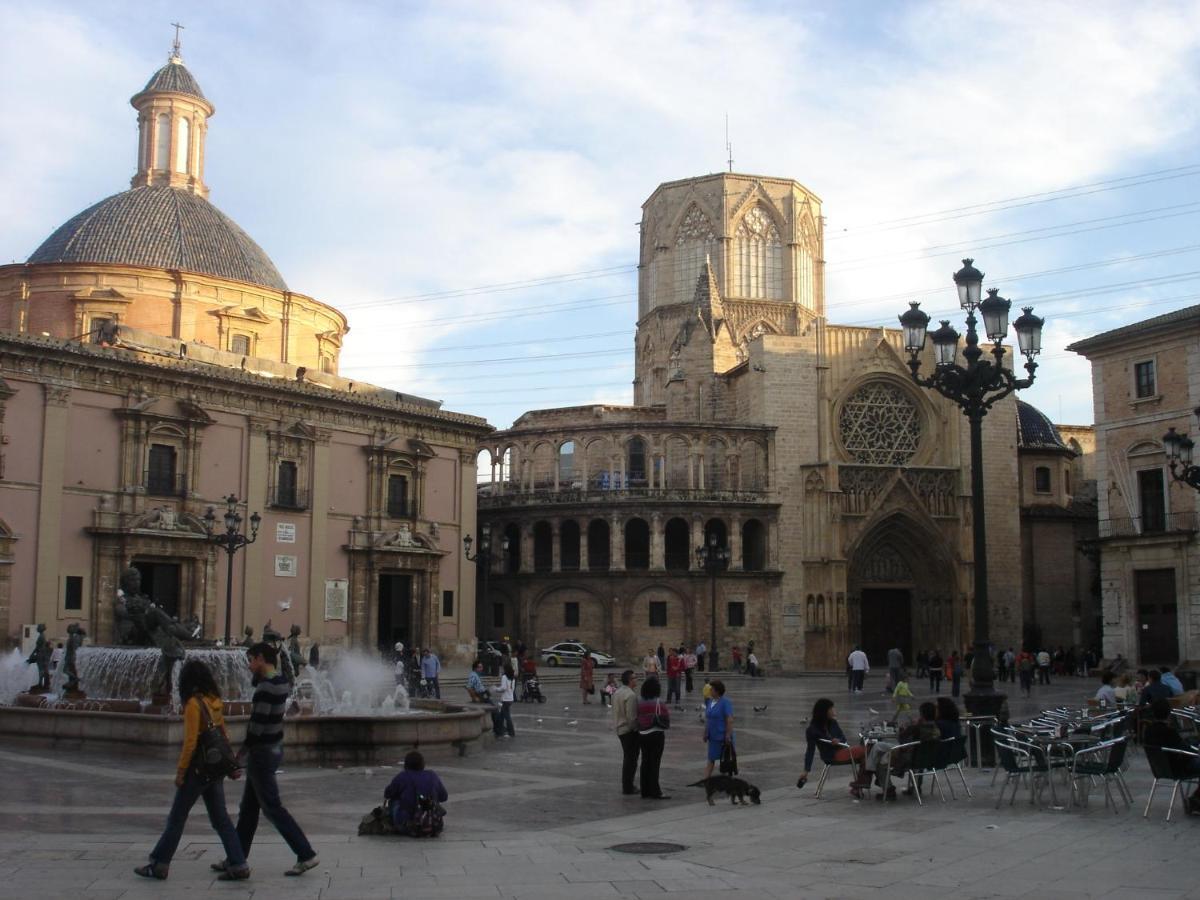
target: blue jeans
213 792
502 720
262 793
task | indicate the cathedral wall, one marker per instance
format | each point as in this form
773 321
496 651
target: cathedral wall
1001 478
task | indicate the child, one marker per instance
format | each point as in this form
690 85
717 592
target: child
610 688
902 697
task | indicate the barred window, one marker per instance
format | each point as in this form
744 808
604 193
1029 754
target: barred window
880 425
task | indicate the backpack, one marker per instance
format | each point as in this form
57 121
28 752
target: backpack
429 820
214 758
377 821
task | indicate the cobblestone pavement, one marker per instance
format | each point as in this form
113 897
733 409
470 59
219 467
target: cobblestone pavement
536 816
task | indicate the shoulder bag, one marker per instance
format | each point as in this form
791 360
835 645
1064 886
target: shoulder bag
659 721
214 758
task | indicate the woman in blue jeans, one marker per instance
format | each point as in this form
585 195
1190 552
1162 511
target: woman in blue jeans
196 687
502 723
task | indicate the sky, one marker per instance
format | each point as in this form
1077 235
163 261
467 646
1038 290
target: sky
465 180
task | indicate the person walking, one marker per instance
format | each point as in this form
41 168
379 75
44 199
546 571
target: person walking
263 752
689 667
502 723
1043 666
1025 666
650 666
674 677
198 693
701 649
625 710
587 681
954 670
895 661
718 725
654 718
859 667
431 667
935 671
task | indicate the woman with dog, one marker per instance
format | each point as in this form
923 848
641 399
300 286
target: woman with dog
823 726
718 725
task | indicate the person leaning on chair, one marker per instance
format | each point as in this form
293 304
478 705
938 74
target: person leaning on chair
1161 733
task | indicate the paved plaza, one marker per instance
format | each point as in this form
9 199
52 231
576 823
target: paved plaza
535 817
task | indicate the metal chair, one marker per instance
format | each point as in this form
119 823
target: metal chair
952 753
924 762
1166 764
1021 760
1100 763
834 746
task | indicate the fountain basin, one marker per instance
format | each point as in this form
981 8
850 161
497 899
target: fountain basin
326 739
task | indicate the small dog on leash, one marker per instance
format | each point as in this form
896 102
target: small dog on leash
738 789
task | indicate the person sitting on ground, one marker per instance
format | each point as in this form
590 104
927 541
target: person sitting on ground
823 727
1107 694
1161 733
475 687
416 787
1171 681
1154 689
949 721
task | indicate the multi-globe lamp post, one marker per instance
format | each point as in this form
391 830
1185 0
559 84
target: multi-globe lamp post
975 386
713 559
1180 448
231 541
483 556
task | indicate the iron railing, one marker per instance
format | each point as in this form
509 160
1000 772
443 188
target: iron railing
490 500
1148 526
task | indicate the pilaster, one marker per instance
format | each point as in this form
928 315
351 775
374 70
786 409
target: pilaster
50 492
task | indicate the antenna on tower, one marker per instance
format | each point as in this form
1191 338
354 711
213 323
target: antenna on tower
175 45
728 146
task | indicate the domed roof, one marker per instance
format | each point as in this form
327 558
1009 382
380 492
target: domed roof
162 228
1035 431
174 77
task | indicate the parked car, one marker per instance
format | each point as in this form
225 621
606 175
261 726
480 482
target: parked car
489 648
570 653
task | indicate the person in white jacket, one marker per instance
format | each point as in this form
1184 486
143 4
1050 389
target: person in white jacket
859 667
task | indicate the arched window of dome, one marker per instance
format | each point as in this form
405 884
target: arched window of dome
1041 480
327 364
695 241
758 257
162 141
182 145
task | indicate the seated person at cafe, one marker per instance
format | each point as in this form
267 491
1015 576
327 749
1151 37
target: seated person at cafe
1162 733
924 728
1107 693
414 788
1155 689
1171 681
949 722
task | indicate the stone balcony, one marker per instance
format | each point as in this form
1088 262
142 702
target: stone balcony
600 497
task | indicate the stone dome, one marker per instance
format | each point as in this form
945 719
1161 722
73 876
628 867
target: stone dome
165 228
1035 431
176 79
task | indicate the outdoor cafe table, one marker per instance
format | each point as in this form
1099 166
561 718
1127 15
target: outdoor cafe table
1047 742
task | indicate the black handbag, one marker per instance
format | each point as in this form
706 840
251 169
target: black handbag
214 758
728 759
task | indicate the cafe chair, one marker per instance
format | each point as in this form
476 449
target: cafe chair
834 747
1168 764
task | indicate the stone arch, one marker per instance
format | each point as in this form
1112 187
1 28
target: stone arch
567 458
596 462
752 466
716 463
718 527
902 584
678 452
637 460
754 545
548 617
677 544
637 544
545 460
568 545
543 546
680 624
599 545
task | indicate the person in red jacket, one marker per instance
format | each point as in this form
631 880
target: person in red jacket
674 676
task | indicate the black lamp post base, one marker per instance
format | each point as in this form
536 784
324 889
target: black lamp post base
985 702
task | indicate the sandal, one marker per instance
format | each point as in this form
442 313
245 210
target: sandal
152 870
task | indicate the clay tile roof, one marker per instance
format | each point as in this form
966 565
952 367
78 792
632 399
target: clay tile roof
1035 431
162 228
174 77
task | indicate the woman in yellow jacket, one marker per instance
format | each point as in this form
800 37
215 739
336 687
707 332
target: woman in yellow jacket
196 686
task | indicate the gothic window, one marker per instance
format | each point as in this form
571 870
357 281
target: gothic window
694 242
758 257
880 425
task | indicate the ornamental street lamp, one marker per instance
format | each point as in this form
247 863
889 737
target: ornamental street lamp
975 387
231 541
713 559
1179 456
483 556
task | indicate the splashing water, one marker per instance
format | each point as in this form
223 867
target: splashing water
353 684
16 676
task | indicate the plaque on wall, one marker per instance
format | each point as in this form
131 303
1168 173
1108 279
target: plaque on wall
336 594
285 566
285 532
793 617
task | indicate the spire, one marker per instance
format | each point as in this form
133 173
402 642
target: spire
707 301
175 46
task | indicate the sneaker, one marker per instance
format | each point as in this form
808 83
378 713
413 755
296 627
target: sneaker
235 874
301 866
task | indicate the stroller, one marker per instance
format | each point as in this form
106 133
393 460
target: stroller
531 690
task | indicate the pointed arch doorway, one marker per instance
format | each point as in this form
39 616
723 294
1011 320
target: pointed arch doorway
902 588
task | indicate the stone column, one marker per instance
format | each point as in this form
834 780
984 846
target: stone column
616 545
318 537
583 545
657 543
691 458
735 543
254 557
556 545
697 541
526 547
56 413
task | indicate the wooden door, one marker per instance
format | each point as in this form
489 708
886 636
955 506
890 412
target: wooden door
1157 616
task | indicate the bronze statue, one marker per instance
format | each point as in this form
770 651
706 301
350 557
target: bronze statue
275 639
293 649
248 640
40 657
75 636
166 634
129 619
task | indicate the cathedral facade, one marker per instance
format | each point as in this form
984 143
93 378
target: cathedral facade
838 488
153 362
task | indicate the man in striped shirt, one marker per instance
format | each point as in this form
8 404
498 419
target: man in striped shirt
261 755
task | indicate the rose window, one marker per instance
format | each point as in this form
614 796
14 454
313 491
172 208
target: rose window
880 425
